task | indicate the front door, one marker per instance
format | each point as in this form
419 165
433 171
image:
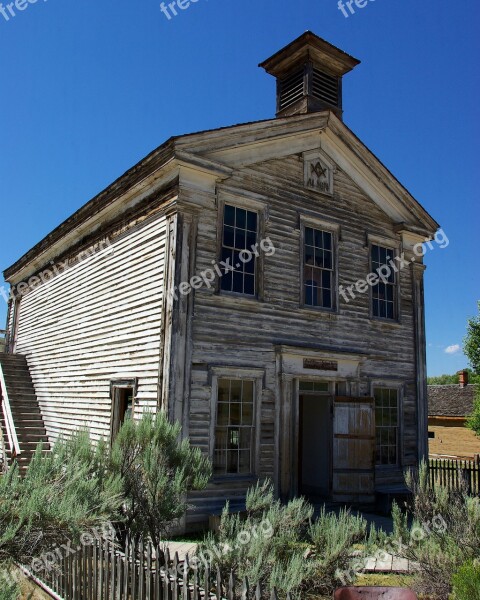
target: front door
354 450
315 445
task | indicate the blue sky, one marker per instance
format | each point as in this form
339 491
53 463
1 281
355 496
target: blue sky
89 88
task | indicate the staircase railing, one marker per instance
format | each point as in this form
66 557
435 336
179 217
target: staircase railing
7 417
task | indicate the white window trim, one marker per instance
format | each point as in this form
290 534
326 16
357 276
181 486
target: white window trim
257 376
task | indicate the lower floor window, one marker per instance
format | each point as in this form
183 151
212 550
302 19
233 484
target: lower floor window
234 430
386 423
123 395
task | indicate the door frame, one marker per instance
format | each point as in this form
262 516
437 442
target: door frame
296 431
328 397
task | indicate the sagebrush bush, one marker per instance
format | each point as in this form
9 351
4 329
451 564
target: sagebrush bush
443 535
8 591
63 493
333 537
156 469
466 582
278 545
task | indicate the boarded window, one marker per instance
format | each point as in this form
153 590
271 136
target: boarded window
386 424
384 293
234 429
239 238
318 268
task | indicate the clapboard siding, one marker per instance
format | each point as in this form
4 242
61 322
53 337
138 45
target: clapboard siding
98 320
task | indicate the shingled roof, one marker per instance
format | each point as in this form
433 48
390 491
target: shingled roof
450 400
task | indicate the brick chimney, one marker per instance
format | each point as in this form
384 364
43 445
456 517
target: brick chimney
309 74
463 378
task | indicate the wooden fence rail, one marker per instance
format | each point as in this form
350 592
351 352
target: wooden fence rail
456 474
101 571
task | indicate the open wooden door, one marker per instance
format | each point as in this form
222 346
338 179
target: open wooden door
354 450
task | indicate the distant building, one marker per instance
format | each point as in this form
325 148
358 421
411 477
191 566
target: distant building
448 409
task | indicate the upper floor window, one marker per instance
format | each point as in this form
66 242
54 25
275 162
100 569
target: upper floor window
234 429
386 424
319 268
240 227
384 293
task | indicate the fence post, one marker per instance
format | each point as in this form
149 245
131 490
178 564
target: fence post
245 589
231 587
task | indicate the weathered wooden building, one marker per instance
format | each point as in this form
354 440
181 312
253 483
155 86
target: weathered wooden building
279 368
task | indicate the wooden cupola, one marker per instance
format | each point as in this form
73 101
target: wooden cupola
309 75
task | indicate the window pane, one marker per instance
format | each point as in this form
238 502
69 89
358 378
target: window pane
252 221
223 413
249 283
240 239
247 391
241 218
223 390
235 414
229 236
229 218
236 390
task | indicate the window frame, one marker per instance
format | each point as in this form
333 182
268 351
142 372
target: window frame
243 374
116 385
398 388
334 230
395 248
253 205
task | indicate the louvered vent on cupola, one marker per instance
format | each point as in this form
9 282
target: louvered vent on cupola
309 75
291 89
326 87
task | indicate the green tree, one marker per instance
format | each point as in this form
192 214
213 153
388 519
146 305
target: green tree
471 343
453 379
62 494
473 421
157 470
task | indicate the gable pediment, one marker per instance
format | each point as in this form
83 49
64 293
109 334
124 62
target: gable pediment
324 142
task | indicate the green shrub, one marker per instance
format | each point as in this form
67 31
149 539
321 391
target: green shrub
63 493
442 534
333 538
157 469
8 591
466 582
277 545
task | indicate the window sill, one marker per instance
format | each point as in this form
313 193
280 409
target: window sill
387 467
391 323
219 479
228 298
324 313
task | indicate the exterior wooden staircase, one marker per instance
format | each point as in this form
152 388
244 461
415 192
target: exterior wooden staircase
21 421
